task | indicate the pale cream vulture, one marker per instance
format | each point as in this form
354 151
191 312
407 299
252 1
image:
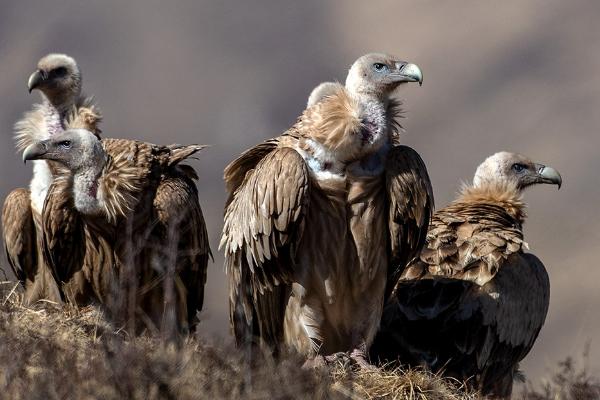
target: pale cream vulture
474 302
135 239
319 219
59 80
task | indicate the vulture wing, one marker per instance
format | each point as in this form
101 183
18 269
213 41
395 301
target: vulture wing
410 202
179 221
263 223
63 244
19 235
467 241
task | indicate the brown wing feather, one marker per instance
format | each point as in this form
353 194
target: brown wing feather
19 234
180 221
63 244
263 223
410 202
235 172
467 241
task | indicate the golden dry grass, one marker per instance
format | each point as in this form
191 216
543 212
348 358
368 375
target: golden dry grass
48 352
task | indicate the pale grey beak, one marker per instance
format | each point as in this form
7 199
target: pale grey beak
35 151
549 175
408 72
35 80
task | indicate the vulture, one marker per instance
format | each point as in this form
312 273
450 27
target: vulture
472 303
321 218
136 240
59 80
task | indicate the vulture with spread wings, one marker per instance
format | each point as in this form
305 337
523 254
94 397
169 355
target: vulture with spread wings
473 303
321 218
63 106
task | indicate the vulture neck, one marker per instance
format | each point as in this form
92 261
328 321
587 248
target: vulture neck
343 130
53 116
86 188
507 196
62 102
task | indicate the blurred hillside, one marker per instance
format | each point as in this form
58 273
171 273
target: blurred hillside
520 76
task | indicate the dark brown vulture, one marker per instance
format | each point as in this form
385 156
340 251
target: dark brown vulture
63 106
135 239
474 302
320 218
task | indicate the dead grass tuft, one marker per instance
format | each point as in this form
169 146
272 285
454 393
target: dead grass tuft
397 383
48 352
571 381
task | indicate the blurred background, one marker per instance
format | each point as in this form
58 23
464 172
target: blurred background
518 76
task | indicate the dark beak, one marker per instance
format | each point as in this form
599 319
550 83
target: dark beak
548 175
36 79
407 72
36 151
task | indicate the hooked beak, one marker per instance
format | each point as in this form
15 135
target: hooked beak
549 175
36 151
36 79
407 72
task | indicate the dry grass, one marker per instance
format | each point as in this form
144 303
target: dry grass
52 353
410 384
570 381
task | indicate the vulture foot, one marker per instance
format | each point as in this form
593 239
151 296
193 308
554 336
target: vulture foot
346 360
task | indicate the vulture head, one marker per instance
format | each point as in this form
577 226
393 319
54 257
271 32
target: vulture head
380 74
77 149
57 77
320 92
514 169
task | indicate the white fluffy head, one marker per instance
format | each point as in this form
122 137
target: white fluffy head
323 90
379 74
58 78
505 168
76 149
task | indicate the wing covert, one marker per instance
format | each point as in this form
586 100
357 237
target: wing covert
411 204
19 234
263 224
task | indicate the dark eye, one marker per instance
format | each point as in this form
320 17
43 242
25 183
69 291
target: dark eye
66 144
379 67
519 167
59 72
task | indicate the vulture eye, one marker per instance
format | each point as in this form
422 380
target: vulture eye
379 67
65 144
59 72
519 167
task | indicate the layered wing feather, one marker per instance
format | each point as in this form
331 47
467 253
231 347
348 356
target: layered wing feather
180 229
263 224
468 241
410 205
19 235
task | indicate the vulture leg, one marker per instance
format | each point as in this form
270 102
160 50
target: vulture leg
357 357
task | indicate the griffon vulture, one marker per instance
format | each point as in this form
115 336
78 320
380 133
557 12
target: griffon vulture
137 242
59 80
320 219
472 304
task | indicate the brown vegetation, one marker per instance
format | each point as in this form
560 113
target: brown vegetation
52 353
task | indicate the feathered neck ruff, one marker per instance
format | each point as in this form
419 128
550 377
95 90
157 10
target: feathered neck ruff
505 195
349 126
118 186
45 120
